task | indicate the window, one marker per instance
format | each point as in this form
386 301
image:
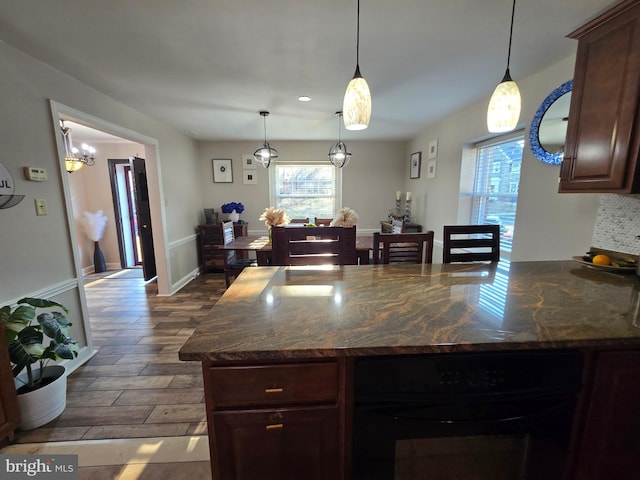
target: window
496 181
305 189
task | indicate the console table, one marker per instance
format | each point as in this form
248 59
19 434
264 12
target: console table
210 237
387 227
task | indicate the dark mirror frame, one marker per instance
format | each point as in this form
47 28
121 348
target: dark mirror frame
534 138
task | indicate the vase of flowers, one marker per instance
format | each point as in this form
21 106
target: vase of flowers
233 210
274 217
345 218
92 225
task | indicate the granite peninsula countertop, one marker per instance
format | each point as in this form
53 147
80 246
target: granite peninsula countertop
273 313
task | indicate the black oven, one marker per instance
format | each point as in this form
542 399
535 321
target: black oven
465 416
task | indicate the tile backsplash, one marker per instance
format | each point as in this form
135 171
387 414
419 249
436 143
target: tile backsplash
618 224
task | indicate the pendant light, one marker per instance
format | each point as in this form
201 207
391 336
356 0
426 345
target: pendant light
338 154
265 153
357 99
504 108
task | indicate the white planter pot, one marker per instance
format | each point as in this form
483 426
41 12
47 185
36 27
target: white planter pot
45 404
234 216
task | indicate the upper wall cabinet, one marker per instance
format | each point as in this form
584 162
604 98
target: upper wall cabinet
603 131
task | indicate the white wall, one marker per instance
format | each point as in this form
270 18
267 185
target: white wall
549 225
36 253
369 181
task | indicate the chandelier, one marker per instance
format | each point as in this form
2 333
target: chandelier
265 153
73 159
338 154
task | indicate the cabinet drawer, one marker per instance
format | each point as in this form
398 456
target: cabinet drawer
273 384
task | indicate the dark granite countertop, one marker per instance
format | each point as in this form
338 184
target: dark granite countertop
301 312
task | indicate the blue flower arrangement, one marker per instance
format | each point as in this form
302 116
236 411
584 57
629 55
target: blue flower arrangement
231 206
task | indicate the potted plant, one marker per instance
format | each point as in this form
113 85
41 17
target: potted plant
234 209
27 328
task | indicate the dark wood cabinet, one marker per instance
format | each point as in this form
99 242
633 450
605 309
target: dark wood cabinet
279 421
603 130
610 442
387 227
209 237
279 444
9 408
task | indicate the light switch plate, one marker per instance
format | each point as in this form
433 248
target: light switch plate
41 207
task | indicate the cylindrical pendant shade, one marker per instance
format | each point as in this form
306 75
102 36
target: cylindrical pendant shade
356 107
504 107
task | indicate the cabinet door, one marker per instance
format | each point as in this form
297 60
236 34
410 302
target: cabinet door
278 444
602 144
611 442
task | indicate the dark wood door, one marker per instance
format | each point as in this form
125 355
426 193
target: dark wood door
610 447
278 444
144 218
601 151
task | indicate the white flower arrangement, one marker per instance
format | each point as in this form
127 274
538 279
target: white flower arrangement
346 218
273 217
93 224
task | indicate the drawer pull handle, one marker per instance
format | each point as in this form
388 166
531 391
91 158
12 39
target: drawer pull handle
275 426
273 390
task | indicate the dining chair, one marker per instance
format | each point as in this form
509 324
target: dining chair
300 220
394 248
314 246
471 243
233 264
323 222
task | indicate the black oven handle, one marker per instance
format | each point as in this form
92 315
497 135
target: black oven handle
399 412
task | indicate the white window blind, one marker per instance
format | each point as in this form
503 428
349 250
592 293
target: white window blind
496 182
305 189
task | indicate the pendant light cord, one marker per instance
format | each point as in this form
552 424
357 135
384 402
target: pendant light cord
358 38
513 11
264 121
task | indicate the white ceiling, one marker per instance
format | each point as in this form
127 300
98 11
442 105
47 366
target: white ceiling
209 66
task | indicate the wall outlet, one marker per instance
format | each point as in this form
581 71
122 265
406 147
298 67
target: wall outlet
41 207
35 174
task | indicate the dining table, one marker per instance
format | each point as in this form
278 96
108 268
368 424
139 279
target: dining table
261 246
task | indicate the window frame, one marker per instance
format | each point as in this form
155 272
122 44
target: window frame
307 163
513 188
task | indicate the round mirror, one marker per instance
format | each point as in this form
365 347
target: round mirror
549 125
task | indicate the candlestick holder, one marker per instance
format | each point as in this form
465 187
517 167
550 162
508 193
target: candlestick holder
407 210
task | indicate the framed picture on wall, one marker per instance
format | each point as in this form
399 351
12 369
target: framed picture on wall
250 177
222 171
248 162
416 159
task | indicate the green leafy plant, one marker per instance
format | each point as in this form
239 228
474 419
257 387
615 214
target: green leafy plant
26 339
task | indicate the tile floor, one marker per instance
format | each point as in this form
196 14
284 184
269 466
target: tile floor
135 387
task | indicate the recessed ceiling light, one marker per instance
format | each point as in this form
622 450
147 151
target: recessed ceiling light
304 98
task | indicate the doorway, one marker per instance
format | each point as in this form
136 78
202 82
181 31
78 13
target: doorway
132 214
124 207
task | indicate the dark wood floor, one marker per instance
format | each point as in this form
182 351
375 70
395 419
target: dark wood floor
135 386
